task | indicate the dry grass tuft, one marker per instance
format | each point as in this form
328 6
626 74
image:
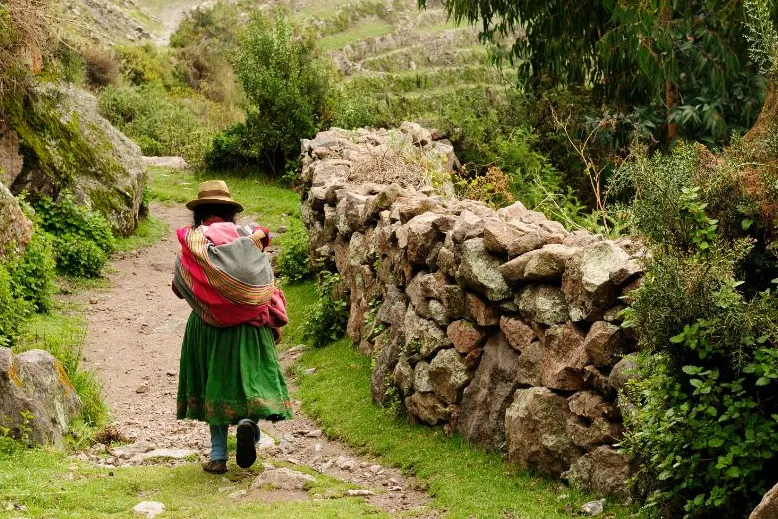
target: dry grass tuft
386 165
24 41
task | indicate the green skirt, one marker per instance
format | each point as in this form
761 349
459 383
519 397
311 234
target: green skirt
228 374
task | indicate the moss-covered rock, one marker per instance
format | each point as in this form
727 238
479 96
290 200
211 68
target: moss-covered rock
66 144
15 227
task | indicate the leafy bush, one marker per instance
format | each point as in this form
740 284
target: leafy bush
33 274
13 309
287 90
100 67
144 64
78 256
66 217
83 238
328 319
704 418
294 262
157 122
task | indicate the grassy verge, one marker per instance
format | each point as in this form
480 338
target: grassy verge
149 231
266 201
49 484
465 481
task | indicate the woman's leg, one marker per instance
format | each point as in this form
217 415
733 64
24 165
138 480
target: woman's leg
219 442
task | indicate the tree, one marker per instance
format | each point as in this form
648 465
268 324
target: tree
288 92
685 63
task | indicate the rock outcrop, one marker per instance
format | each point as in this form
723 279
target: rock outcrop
499 324
66 145
15 227
768 507
37 400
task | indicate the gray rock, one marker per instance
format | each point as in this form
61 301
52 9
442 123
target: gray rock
593 507
498 236
544 264
544 304
467 226
531 241
479 271
423 336
427 407
403 375
536 432
283 479
150 509
421 377
448 374
388 355
35 382
484 401
15 227
604 471
603 343
587 284
625 370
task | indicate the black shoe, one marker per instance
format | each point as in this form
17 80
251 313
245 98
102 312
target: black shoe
246 453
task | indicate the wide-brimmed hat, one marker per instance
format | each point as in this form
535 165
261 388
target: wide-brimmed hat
213 192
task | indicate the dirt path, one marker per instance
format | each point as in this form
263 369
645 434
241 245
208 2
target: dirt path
134 339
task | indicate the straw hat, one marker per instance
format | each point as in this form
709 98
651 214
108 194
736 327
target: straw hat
213 192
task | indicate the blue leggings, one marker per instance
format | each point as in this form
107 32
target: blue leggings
219 439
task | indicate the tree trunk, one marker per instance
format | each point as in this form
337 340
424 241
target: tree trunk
766 122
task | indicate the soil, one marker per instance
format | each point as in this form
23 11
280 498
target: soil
133 342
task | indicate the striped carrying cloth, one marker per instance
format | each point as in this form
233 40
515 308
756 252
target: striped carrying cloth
226 277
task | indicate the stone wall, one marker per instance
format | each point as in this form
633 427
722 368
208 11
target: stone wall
498 324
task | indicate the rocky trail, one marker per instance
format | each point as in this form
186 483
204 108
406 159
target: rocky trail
133 342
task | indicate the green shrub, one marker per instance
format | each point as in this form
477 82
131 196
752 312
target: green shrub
144 64
327 321
159 123
80 257
294 262
33 274
704 417
13 309
288 93
66 217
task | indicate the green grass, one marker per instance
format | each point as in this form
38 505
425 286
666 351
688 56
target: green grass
465 481
268 202
149 231
361 31
49 484
299 298
62 332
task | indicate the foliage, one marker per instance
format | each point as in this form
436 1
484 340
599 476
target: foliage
144 64
327 320
101 67
762 35
83 237
33 274
684 61
287 90
13 309
294 262
204 44
705 415
159 123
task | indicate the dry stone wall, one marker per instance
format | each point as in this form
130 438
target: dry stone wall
498 324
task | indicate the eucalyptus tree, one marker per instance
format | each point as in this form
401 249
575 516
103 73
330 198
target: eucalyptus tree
683 63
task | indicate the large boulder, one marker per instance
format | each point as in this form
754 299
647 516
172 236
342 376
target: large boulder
768 507
37 396
15 227
448 374
484 401
479 271
536 431
66 144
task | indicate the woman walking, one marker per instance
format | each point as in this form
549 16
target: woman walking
229 372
